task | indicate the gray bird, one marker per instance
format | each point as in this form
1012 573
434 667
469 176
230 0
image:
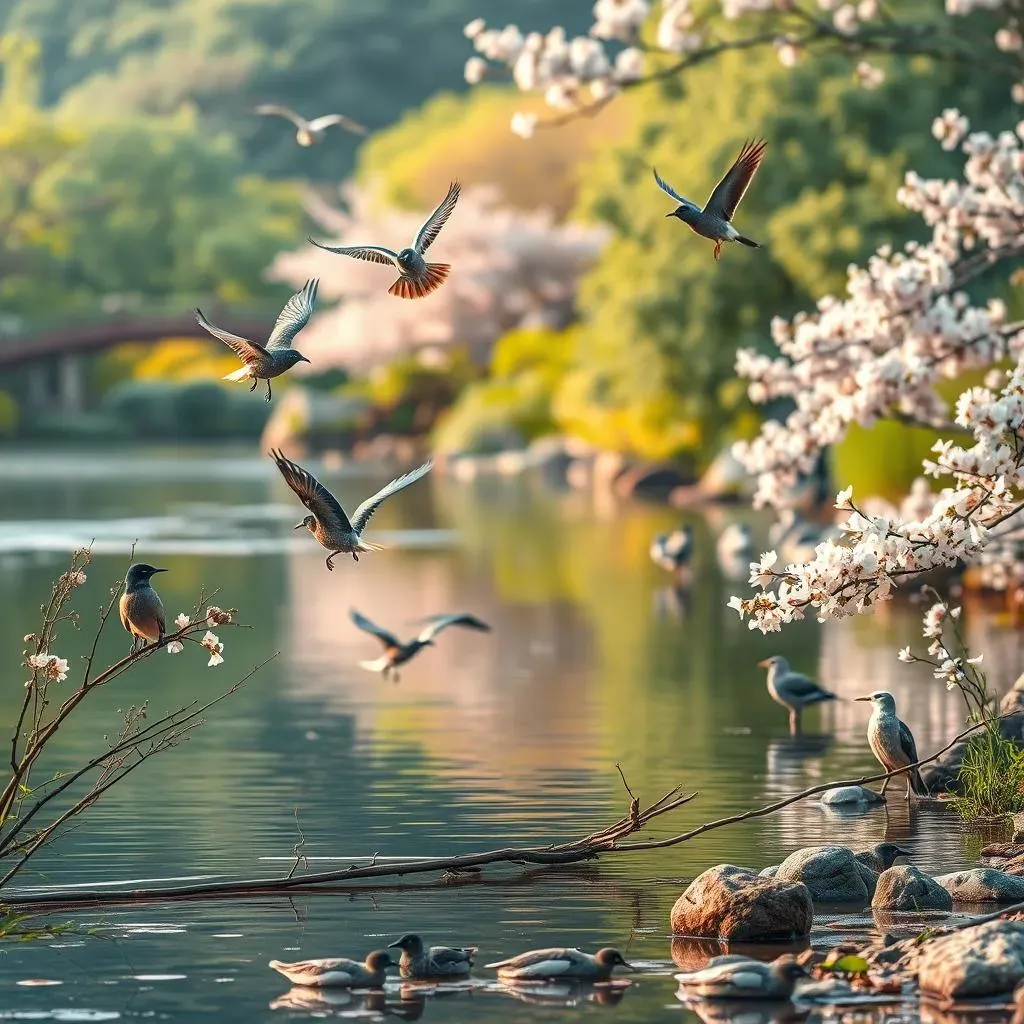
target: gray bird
791 689
560 965
715 220
672 551
743 979
881 856
329 523
397 653
140 607
436 962
338 972
417 277
892 742
263 363
310 133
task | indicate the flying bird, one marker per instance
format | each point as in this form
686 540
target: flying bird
417 277
715 220
265 362
418 961
140 607
892 742
329 523
397 653
793 690
311 133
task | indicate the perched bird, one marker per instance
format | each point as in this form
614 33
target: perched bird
338 972
881 856
329 523
397 653
310 133
715 220
892 742
417 277
672 551
436 962
791 689
263 363
140 607
560 964
744 979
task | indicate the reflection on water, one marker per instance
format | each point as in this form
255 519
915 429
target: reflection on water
488 739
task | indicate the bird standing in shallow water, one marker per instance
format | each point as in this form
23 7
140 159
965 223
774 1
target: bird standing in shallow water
418 277
791 689
436 962
329 523
310 133
560 964
672 551
278 355
715 220
397 653
338 972
892 742
140 607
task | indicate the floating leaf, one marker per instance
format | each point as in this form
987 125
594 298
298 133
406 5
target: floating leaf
848 964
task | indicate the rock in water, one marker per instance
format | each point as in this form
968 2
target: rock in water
850 796
987 960
735 903
903 887
832 874
983 885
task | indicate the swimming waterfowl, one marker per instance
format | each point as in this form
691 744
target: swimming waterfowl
746 979
672 551
792 690
338 972
560 964
418 961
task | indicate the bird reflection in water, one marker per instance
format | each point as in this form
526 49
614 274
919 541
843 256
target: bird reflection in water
565 993
784 755
672 604
409 1005
743 1011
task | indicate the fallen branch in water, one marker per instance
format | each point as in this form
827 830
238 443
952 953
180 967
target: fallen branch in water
604 842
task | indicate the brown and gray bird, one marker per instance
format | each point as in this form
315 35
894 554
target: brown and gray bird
329 523
397 653
338 972
715 220
417 277
881 856
791 689
418 961
310 133
140 607
743 979
892 742
560 964
265 362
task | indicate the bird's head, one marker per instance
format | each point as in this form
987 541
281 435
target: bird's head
610 957
291 357
776 661
686 212
407 255
787 967
309 523
140 573
882 699
379 960
889 852
408 944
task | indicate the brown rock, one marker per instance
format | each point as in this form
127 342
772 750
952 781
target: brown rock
735 903
906 889
655 482
987 960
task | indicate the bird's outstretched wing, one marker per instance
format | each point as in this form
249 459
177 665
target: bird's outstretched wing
312 494
907 743
368 507
328 120
246 350
275 110
669 190
386 638
440 622
370 253
295 315
433 224
731 189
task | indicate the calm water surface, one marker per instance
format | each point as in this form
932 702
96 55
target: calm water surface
487 740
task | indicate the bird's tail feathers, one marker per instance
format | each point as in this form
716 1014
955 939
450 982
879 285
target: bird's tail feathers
375 666
917 784
241 374
748 241
434 276
365 545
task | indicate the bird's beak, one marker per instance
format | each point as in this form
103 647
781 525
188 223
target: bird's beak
395 945
767 663
628 966
303 359
159 570
862 698
299 527
672 214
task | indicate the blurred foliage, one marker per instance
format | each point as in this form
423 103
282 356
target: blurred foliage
183 359
9 414
467 137
371 61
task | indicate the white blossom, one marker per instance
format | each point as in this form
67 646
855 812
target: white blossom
181 620
175 647
524 125
475 70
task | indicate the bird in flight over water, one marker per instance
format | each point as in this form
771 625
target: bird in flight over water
265 362
329 523
715 220
397 653
311 133
417 277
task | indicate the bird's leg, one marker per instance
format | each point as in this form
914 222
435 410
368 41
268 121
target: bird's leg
255 383
268 389
885 783
355 557
909 788
718 250
329 563
794 722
